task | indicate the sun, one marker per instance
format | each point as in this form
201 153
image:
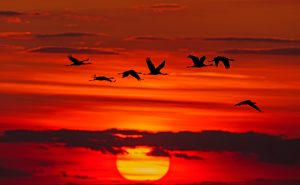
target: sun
136 165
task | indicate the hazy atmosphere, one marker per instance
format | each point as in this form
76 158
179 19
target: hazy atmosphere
63 122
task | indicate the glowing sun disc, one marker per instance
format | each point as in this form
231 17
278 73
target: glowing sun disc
136 165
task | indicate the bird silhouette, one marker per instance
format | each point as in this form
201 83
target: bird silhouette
132 73
155 70
77 62
198 62
225 60
103 78
250 103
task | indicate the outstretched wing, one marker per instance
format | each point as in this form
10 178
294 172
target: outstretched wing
254 106
216 62
194 59
161 66
150 65
226 63
243 103
74 60
201 60
125 74
135 75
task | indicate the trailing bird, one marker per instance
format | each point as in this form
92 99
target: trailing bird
250 103
77 62
155 70
103 78
198 62
225 60
132 73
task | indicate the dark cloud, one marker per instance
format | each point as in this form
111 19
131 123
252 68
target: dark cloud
186 156
267 148
84 177
19 17
10 13
272 182
275 51
11 17
146 38
12 173
252 39
162 7
54 49
159 152
76 176
69 35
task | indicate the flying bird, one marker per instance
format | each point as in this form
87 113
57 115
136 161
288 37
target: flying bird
77 62
155 70
198 62
132 73
103 78
250 103
225 60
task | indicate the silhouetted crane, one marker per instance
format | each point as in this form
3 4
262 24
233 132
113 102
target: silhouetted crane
198 62
77 62
103 78
155 70
132 73
250 103
225 60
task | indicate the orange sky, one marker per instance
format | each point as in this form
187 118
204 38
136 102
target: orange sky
38 92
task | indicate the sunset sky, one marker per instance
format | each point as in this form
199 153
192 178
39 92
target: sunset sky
182 128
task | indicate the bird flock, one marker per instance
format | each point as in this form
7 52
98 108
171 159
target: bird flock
198 62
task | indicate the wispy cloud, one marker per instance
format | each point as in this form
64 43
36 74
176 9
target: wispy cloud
69 35
146 38
188 157
56 49
77 176
10 13
54 36
163 7
67 102
267 148
11 16
252 39
273 51
16 35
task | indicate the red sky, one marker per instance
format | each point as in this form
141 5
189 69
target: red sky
37 92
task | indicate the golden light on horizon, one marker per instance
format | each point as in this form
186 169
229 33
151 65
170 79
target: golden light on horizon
136 165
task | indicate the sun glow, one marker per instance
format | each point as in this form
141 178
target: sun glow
136 165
